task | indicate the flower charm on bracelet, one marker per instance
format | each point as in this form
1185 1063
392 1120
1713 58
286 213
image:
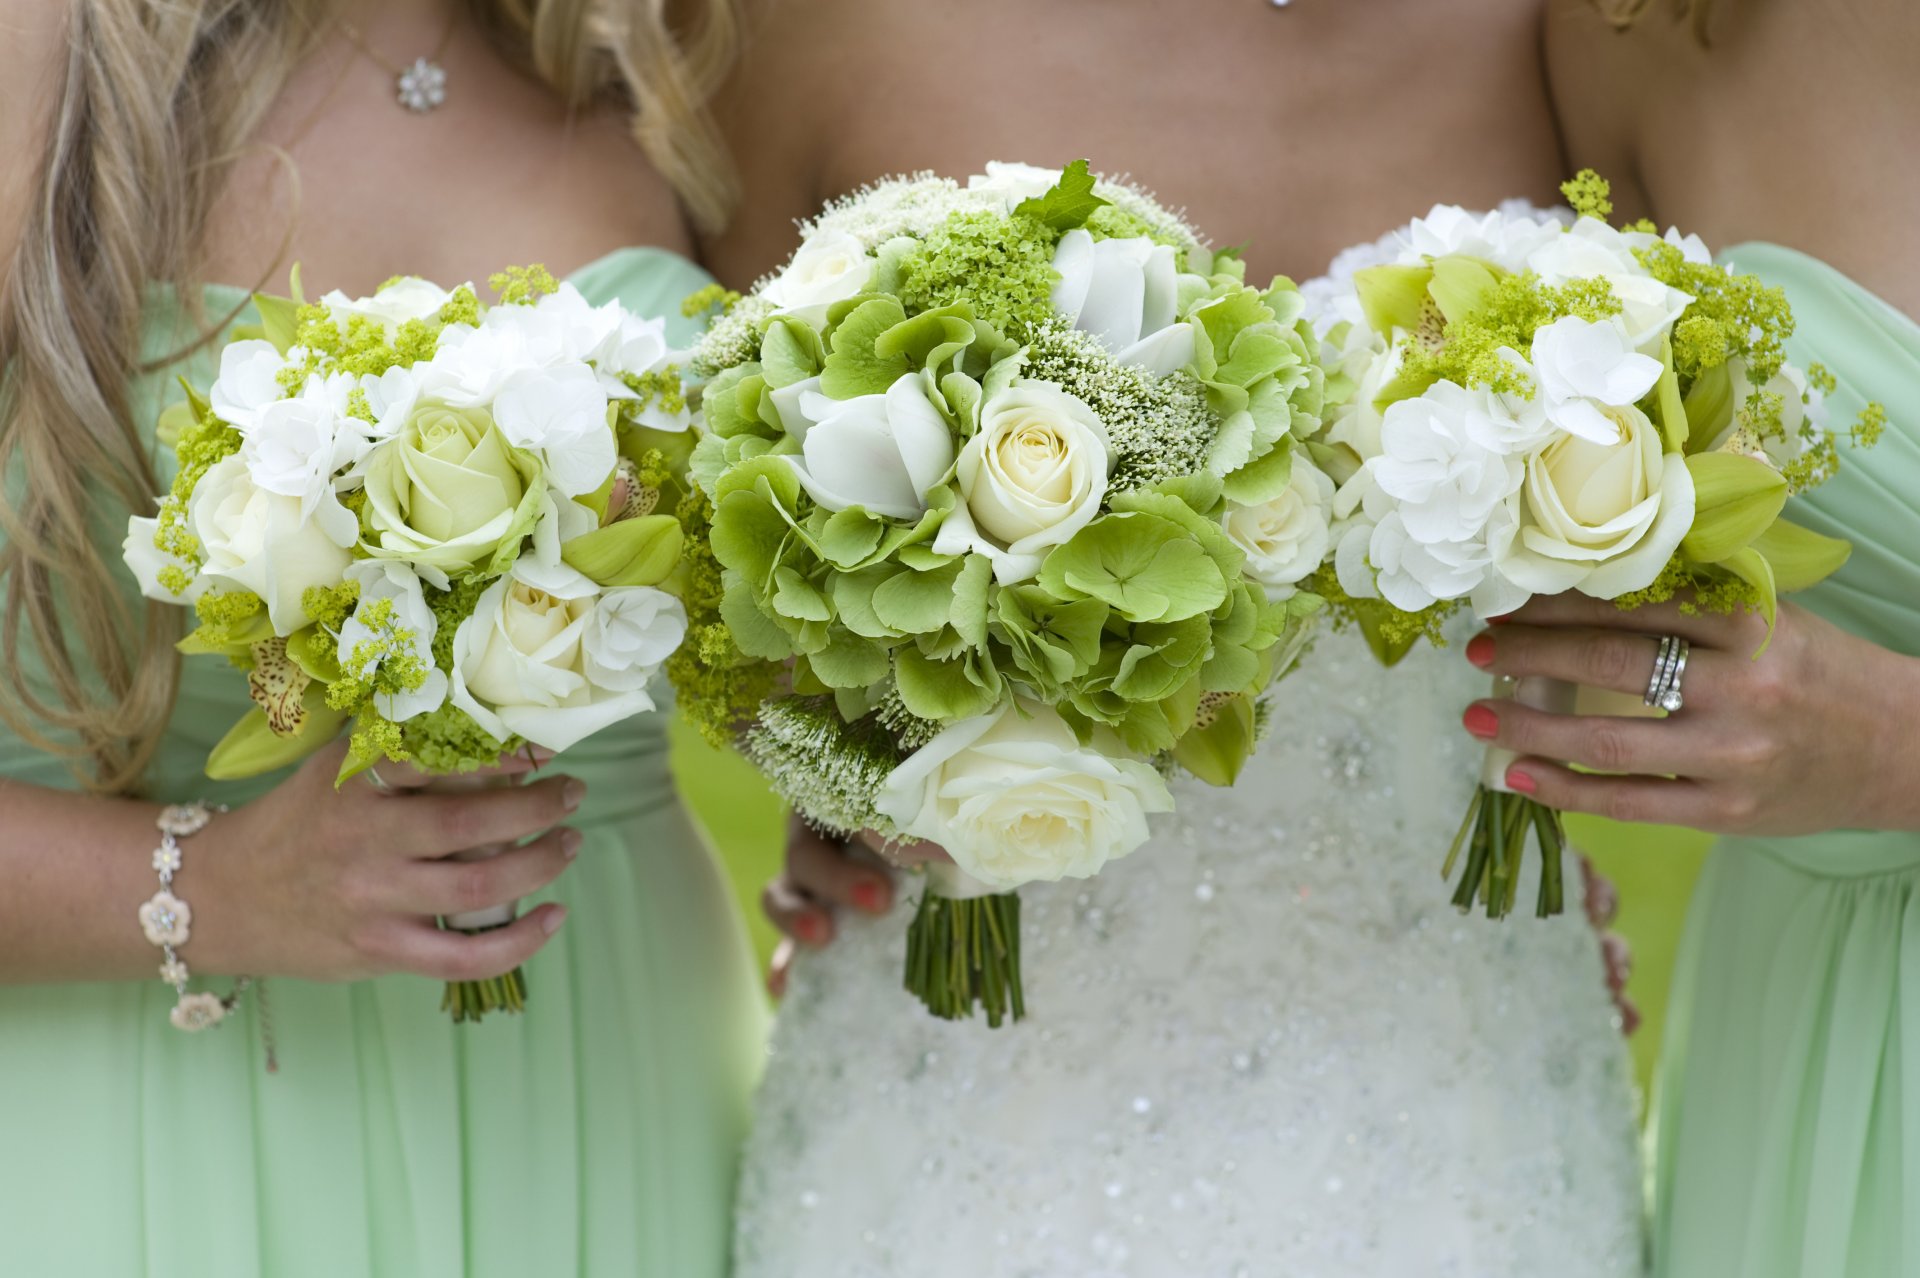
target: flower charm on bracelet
166 919
197 1012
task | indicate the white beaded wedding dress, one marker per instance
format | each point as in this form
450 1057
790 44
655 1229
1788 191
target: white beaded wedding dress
1263 1046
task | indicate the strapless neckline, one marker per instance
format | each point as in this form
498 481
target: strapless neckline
610 261
1765 248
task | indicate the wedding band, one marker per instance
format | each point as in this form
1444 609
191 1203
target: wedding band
1669 667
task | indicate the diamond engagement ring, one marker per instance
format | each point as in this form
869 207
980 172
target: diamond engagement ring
1669 667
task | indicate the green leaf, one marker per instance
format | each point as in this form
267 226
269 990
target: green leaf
1261 480
1216 752
1146 567
847 537
1161 658
790 351
849 661
1068 204
930 339
794 596
754 633
251 747
279 320
853 600
946 690
855 368
916 602
634 552
1799 557
1735 498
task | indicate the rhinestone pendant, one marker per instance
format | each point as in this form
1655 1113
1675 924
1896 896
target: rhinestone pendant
422 86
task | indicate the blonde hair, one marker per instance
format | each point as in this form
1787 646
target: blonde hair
1624 13
156 102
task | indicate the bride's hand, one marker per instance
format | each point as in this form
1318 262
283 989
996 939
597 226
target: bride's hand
823 873
342 884
1813 734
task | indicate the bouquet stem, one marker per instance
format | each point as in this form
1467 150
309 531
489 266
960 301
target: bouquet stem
1494 833
963 949
471 1000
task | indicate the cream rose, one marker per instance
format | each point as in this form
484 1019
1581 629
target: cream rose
1603 519
1285 538
878 452
261 541
1016 799
446 490
829 267
1030 478
1126 293
555 666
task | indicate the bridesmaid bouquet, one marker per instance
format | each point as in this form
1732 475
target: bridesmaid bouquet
1543 408
1002 520
430 523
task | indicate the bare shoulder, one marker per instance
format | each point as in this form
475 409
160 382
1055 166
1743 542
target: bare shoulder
1598 77
802 83
32 45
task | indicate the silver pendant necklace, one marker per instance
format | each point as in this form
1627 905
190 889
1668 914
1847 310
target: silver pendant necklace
419 87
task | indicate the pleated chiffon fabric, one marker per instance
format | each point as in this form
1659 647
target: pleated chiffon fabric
1785 1142
598 1133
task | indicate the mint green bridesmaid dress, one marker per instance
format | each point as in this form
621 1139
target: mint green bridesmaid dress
596 1134
1785 1141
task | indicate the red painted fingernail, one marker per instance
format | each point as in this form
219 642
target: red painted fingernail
1480 650
1481 722
870 896
812 929
1500 620
1520 782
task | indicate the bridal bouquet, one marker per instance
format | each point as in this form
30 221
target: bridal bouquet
431 520
1544 407
1001 519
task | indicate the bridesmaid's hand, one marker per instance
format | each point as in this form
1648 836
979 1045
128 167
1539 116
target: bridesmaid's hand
822 873
342 884
1813 734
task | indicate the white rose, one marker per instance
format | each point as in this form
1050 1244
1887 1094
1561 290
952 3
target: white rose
1600 518
522 663
879 452
259 541
1030 478
410 630
249 380
560 413
1581 366
829 267
1016 799
1017 182
1441 464
408 298
1593 250
147 561
1286 538
1505 239
1126 293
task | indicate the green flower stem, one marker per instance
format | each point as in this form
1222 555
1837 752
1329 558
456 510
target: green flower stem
963 954
1494 837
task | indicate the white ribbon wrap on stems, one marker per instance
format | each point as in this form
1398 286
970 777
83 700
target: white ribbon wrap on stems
947 879
1555 696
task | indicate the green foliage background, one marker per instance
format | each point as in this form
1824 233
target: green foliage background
1654 867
